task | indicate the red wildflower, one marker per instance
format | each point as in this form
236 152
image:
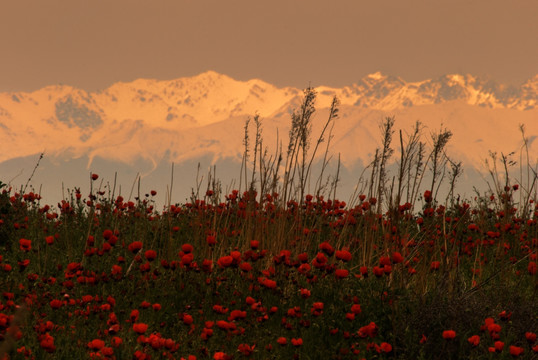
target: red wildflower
303 257
135 246
305 293
140 328
356 309
385 347
474 340
187 248
47 343
515 351
282 341
116 270
96 344
397 257
246 349
378 271
211 240
343 255
245 266
116 341
531 337
150 255
49 240
225 261
449 334
221 356
499 346
326 248
428 196
56 304
297 342
107 234
187 259
237 314
140 355
95 176
368 330
268 283
187 319
384 260
25 244
341 273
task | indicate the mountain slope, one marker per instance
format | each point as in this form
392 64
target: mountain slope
203 116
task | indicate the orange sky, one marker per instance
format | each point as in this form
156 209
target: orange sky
91 44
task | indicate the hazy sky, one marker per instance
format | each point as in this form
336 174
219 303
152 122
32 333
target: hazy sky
93 43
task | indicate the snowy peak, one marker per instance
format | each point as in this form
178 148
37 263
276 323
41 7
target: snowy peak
382 92
60 118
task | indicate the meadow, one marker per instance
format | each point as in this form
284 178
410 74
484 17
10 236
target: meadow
272 270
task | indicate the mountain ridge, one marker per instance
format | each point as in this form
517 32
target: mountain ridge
204 117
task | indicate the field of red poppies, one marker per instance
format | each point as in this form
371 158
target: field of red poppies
249 277
278 272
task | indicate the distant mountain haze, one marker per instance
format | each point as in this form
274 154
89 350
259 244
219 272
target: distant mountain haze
146 125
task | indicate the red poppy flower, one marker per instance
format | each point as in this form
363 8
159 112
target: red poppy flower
47 343
474 340
449 334
268 283
397 257
531 337
187 319
135 246
297 342
499 346
187 248
95 176
150 255
211 240
515 351
341 273
221 356
140 328
378 271
343 255
385 347
246 349
96 344
245 266
282 341
116 341
369 330
225 261
56 304
305 293
356 309
25 244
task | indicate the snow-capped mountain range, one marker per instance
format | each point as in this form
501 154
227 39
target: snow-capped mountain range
187 119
